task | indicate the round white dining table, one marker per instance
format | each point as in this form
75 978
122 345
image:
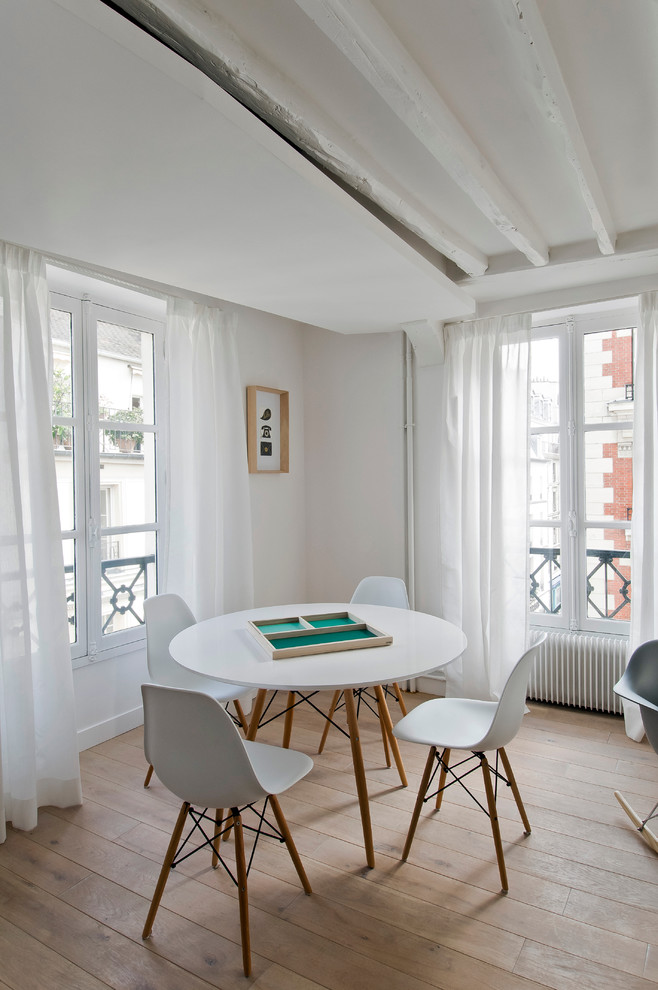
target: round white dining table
224 648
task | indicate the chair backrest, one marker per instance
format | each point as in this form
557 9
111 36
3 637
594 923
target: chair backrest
639 683
165 616
196 749
377 590
511 706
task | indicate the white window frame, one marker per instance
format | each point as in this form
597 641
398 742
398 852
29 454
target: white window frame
570 329
91 645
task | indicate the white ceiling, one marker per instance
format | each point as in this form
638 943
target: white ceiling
505 152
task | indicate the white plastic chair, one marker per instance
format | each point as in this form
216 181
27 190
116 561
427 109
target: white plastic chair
445 724
374 590
165 616
200 756
639 683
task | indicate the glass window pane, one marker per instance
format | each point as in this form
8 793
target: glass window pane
609 475
60 332
125 374
127 470
127 578
545 476
608 574
545 571
544 382
65 478
68 546
608 376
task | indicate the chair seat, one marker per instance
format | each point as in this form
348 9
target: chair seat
188 680
452 723
277 769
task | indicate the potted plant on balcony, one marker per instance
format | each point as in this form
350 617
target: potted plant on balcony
126 440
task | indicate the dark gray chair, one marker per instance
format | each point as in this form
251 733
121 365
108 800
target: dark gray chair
639 683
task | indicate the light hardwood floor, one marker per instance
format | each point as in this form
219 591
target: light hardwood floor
581 913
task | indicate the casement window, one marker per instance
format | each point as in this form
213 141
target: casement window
108 449
580 470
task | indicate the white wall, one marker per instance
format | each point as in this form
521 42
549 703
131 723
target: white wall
355 460
271 353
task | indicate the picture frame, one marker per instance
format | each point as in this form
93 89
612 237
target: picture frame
268 412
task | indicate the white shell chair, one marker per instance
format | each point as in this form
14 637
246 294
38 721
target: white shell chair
200 756
374 590
445 724
165 616
639 683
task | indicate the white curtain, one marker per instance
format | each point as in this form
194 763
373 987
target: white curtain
38 743
644 525
208 554
483 484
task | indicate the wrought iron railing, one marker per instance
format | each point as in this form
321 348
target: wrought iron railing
122 587
610 584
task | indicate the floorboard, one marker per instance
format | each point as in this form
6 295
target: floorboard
581 912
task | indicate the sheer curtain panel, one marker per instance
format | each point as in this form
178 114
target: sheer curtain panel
208 555
38 743
483 506
644 524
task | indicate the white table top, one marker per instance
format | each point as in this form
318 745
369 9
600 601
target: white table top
225 649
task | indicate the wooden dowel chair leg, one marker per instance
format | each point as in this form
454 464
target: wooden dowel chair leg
422 790
327 724
445 761
292 848
385 717
398 695
241 870
287 725
219 814
256 713
493 818
382 728
239 711
149 774
507 766
166 866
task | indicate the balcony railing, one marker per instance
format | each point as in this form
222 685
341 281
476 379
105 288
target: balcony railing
607 598
124 586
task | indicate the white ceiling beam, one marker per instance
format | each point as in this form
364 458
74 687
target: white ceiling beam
203 37
531 37
363 36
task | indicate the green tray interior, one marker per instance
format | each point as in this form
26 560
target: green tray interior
321 623
329 637
272 627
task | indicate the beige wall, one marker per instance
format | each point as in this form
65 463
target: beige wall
355 460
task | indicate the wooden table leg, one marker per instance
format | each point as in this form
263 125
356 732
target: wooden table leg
359 775
287 725
385 716
256 713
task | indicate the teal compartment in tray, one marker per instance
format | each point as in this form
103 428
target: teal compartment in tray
275 627
348 635
331 621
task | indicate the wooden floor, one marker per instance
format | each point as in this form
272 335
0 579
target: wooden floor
582 910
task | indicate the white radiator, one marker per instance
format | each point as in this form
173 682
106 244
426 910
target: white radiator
579 670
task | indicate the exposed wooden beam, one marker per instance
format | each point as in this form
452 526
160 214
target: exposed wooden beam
201 36
363 36
529 32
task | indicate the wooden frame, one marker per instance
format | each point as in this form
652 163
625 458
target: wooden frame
268 414
305 635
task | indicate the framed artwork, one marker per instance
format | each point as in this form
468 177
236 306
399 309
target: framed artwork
267 430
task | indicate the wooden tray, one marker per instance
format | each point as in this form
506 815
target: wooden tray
304 635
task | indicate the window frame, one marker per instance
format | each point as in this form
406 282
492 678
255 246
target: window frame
570 328
97 302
